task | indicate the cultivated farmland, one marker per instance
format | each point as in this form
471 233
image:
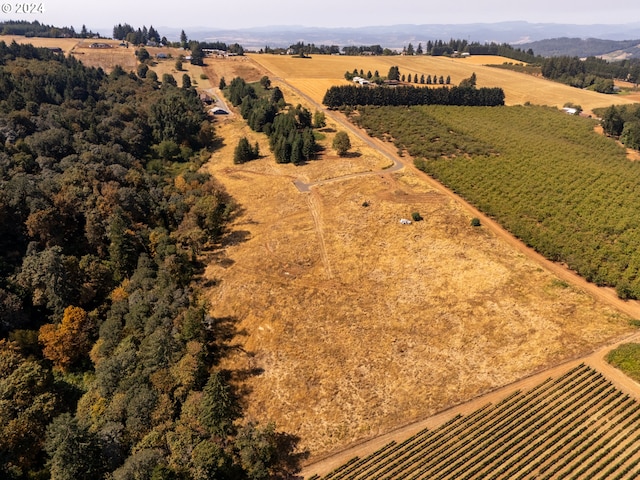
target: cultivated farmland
548 178
577 426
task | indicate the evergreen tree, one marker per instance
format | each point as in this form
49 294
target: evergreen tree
612 122
243 151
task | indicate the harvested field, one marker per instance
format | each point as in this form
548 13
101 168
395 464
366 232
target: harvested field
66 44
317 72
107 58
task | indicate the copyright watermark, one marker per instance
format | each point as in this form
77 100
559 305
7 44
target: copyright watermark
22 8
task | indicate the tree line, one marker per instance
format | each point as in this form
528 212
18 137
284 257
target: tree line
593 73
139 36
37 29
432 47
394 74
109 360
351 95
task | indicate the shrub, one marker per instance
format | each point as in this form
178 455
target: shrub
475 222
416 216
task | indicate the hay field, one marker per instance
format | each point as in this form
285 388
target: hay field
66 44
316 74
353 324
106 58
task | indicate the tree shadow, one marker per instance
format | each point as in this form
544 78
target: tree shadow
222 333
235 237
351 155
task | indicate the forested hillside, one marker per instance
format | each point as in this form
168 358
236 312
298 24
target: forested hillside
107 354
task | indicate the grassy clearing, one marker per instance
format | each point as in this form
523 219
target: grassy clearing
627 358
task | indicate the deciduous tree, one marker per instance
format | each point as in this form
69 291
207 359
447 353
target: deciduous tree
341 143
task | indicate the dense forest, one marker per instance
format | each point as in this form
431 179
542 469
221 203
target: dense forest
548 178
108 357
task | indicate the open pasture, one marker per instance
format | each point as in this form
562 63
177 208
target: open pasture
314 75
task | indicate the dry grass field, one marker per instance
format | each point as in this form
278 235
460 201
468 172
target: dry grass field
66 44
360 324
352 324
107 58
316 74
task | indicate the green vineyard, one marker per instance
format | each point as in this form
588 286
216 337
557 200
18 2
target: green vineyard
577 426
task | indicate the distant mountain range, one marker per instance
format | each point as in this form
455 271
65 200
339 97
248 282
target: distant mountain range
397 36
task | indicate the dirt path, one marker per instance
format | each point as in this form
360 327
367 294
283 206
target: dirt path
312 201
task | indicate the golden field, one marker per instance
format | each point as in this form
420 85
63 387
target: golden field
316 74
352 324
107 58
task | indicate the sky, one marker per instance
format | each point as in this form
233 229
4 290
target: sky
102 15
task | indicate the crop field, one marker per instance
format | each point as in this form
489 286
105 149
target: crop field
314 75
576 426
